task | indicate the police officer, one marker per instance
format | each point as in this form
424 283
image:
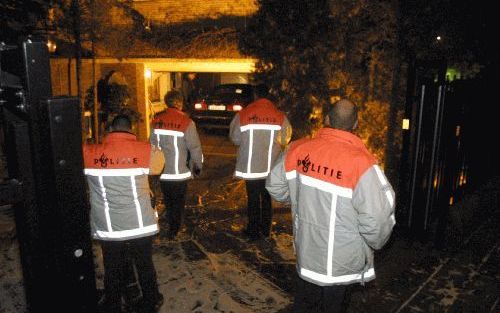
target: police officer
174 133
260 130
342 210
121 216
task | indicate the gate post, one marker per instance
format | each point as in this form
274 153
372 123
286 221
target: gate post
421 147
44 156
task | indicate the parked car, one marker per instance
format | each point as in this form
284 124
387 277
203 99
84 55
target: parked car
218 108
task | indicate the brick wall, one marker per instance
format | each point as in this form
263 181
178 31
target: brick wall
168 11
63 77
134 76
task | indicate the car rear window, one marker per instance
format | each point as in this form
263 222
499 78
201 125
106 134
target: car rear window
242 91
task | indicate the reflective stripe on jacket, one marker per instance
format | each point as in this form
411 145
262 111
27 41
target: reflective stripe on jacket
342 206
117 175
260 130
174 133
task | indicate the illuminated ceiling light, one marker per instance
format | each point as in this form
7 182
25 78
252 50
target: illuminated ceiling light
223 65
147 73
438 38
51 45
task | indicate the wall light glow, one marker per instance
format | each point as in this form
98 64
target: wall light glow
406 123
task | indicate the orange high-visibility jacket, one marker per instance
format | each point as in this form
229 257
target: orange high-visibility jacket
342 206
117 175
260 130
174 133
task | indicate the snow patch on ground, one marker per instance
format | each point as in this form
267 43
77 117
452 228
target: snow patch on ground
213 283
219 284
11 287
284 246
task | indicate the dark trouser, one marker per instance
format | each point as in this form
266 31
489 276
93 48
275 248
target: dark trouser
155 190
117 256
259 210
174 196
311 298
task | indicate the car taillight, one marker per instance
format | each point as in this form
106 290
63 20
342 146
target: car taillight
198 106
237 107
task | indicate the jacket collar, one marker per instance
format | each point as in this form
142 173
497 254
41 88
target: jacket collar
120 136
342 135
173 109
263 102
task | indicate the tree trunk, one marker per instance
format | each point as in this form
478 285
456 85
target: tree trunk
94 83
372 74
75 15
95 123
392 148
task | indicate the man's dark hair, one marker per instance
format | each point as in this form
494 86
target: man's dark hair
343 115
121 122
171 97
261 91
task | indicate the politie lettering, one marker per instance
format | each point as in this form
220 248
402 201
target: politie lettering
167 125
307 166
105 161
262 119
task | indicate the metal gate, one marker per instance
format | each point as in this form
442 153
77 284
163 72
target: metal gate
439 158
46 185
